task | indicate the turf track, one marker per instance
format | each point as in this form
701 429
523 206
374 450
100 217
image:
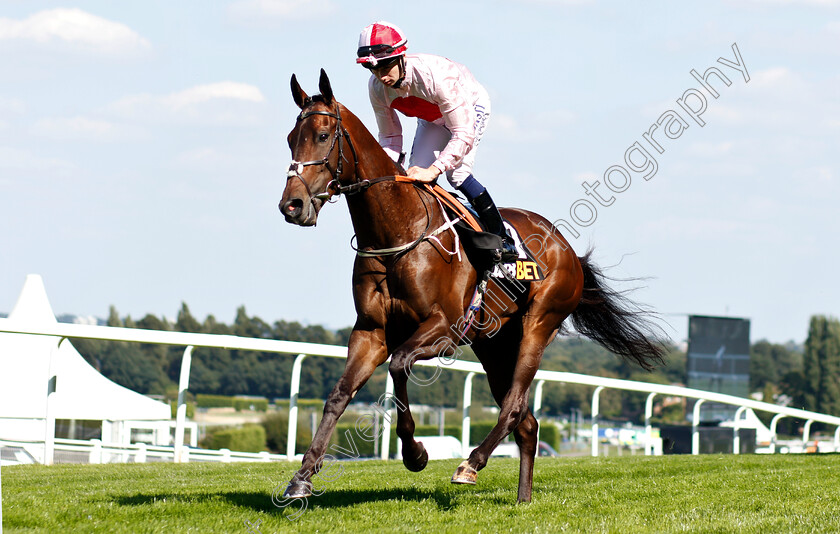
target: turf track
625 494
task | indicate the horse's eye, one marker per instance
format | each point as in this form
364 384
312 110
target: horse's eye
323 137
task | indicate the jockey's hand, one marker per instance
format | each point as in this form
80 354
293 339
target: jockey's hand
424 175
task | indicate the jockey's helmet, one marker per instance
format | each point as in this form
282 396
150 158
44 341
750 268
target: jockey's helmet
379 43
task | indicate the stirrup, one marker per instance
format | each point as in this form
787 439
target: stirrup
508 253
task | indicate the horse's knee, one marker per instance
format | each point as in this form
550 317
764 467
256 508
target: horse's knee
516 412
525 434
400 366
528 426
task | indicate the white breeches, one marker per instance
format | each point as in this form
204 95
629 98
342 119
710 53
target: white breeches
431 138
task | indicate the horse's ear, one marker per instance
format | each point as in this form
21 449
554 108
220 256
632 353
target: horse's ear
326 89
297 93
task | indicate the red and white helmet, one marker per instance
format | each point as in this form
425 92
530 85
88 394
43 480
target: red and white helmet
380 41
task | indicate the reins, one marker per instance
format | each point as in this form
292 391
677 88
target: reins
335 188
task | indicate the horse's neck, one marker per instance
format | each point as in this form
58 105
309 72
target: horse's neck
387 214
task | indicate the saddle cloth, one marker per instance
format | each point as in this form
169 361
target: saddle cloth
479 244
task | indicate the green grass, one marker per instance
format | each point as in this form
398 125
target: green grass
623 494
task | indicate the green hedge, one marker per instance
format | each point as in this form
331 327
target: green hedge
478 431
301 403
213 401
190 409
249 438
224 401
259 405
550 434
276 425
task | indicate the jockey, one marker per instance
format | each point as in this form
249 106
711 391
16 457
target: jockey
452 111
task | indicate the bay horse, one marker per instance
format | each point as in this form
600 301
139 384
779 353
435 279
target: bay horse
410 290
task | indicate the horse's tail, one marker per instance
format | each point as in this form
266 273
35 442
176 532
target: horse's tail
614 321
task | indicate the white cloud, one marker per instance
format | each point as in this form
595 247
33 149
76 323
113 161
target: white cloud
523 129
16 159
205 159
223 161
75 28
226 102
585 176
557 2
78 129
269 11
694 228
205 93
728 114
780 81
820 3
11 106
816 176
710 149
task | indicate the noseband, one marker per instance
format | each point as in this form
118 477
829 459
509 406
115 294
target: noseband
296 167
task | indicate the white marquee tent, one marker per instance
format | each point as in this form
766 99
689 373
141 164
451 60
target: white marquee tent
81 392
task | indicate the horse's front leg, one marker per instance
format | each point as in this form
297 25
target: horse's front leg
366 351
429 339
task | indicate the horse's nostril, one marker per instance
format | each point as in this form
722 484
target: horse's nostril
292 208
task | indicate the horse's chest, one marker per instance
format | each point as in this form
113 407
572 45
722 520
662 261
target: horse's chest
395 295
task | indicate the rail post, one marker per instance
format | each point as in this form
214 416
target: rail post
773 424
736 431
386 418
538 395
183 386
49 416
465 421
1 498
595 412
294 389
806 432
648 426
695 427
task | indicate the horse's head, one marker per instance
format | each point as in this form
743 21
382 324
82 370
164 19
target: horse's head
319 160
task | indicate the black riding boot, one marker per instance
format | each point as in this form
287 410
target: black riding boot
492 219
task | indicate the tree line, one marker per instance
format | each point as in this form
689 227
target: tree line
806 377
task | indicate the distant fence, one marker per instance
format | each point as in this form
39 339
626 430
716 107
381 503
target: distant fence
62 331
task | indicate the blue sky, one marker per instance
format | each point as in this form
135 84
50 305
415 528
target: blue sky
142 148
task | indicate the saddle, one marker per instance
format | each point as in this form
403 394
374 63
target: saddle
481 245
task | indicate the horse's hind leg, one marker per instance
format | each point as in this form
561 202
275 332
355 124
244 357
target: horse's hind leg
526 437
510 381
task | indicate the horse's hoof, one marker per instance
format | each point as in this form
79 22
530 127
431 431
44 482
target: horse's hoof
298 490
464 474
419 463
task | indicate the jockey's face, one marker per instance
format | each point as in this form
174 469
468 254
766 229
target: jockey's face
387 74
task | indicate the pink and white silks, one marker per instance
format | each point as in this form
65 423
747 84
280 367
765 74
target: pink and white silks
452 111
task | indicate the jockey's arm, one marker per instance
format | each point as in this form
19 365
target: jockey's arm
459 118
387 121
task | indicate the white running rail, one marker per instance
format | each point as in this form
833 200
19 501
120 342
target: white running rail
302 350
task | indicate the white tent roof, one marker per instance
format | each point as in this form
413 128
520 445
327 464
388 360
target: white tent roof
81 391
750 420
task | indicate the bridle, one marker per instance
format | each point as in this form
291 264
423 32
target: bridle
296 167
335 188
